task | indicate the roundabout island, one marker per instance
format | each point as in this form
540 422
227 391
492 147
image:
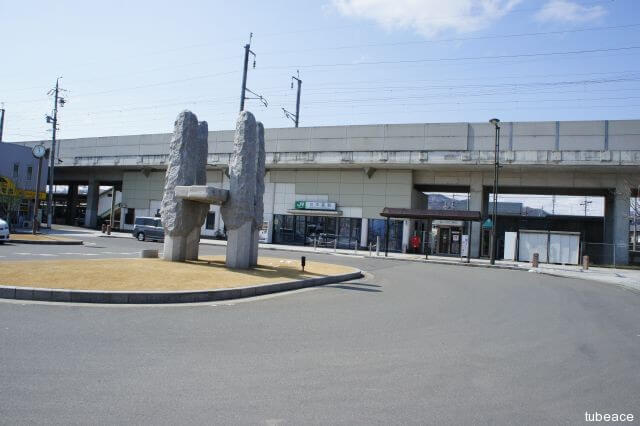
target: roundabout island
159 281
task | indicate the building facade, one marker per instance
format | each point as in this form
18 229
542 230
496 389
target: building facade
18 182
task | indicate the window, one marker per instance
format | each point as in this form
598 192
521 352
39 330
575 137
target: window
211 220
377 228
29 172
16 170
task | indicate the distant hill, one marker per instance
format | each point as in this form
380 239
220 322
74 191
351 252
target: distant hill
442 202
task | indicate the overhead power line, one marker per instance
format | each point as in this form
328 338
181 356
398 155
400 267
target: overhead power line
461 58
456 39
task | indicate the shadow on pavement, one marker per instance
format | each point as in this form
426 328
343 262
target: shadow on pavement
357 287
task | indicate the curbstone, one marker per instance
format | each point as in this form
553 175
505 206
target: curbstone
159 297
48 242
8 292
149 253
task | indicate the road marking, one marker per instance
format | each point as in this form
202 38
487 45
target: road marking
46 254
71 253
24 254
90 254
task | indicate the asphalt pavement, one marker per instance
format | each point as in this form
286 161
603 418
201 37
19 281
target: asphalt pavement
410 344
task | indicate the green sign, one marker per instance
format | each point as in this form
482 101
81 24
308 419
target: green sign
488 224
315 205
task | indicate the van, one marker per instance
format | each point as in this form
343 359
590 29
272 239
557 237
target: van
148 228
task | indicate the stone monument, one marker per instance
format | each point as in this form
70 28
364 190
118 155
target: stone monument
239 212
182 219
187 197
258 214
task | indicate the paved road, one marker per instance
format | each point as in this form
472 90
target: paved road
414 343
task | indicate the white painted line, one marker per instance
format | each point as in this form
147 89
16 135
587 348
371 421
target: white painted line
24 254
46 254
90 254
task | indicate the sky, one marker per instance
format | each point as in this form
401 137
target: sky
131 67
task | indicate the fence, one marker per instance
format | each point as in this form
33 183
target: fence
606 253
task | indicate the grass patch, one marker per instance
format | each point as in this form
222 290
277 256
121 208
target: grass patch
207 273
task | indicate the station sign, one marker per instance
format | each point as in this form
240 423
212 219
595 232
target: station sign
315 205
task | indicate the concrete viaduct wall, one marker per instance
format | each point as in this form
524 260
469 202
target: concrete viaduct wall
351 165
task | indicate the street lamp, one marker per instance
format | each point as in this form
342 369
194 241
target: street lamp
496 165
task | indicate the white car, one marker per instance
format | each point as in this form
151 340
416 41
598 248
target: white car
4 231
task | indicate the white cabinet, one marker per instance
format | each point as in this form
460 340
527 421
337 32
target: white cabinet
564 248
533 242
510 239
552 247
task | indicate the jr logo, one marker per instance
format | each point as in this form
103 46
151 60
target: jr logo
300 204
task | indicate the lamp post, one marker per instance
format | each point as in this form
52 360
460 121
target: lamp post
496 165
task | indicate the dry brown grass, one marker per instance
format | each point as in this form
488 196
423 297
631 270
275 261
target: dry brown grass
38 237
156 274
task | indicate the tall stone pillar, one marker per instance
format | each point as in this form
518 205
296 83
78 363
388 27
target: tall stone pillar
478 201
93 196
620 228
258 203
183 219
239 210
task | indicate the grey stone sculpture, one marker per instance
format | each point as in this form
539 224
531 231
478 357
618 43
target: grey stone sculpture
182 219
186 199
258 215
238 212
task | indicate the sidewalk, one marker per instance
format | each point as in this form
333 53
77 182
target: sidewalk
628 278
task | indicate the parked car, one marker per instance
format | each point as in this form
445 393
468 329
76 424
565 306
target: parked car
4 231
148 228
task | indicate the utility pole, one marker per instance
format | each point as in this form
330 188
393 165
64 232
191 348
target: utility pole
54 120
585 203
496 167
295 117
245 69
2 112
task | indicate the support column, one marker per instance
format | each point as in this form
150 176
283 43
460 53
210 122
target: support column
620 229
406 231
364 233
93 196
478 201
72 204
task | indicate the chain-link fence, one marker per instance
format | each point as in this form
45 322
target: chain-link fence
606 254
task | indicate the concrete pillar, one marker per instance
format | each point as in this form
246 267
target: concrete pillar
93 196
406 233
72 204
620 229
478 201
364 233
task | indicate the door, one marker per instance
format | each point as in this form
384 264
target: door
444 246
